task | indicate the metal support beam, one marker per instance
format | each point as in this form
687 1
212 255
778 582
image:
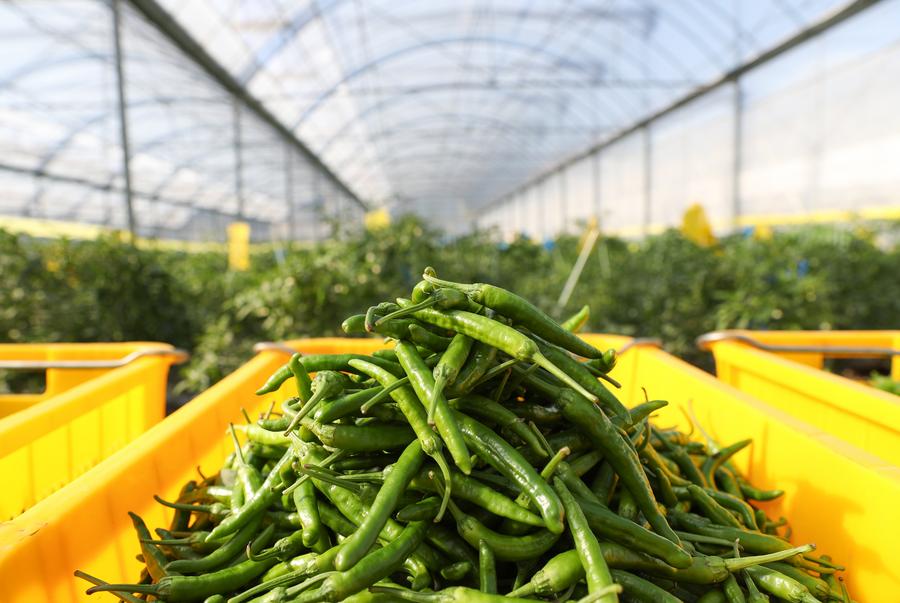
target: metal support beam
737 154
164 22
238 159
122 103
289 194
837 17
648 179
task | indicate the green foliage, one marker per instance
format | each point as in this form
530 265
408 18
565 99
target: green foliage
664 286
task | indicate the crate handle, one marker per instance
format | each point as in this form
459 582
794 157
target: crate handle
273 346
180 356
703 342
652 342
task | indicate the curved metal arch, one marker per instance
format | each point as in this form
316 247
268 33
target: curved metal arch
388 103
400 52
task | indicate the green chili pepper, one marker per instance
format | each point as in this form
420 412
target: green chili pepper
301 377
485 408
376 566
480 359
449 366
153 557
455 594
487 569
422 381
425 338
521 311
638 589
324 362
500 336
327 384
596 570
357 545
192 588
495 451
574 323
366 438
780 585
349 404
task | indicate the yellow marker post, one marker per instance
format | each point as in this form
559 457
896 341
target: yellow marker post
239 246
695 226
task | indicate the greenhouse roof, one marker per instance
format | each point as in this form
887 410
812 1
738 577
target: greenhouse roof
438 106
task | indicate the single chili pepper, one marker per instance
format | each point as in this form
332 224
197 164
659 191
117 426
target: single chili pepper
364 461
454 594
505 547
713 596
604 483
439 298
422 381
596 570
301 377
548 415
153 557
359 543
330 411
367 438
327 384
425 509
594 424
732 590
817 586
414 412
261 499
224 553
304 498
456 571
638 589
745 511
450 364
558 574
497 452
487 569
604 521
574 323
523 312
780 585
376 566
688 469
711 509
584 378
470 489
627 509
192 588
325 362
425 338
480 359
485 408
714 461
757 494
502 337
728 483
753 542
449 543
181 519
354 325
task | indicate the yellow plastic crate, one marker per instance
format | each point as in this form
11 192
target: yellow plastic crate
83 416
837 495
793 381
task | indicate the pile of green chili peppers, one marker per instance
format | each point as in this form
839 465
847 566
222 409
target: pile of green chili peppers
482 458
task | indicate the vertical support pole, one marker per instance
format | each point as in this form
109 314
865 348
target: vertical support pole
123 115
737 154
289 193
563 200
318 205
595 185
648 178
238 159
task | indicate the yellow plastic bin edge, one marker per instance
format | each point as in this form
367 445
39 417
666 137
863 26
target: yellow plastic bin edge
862 415
55 440
84 525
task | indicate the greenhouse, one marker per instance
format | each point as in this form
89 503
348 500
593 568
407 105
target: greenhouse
326 300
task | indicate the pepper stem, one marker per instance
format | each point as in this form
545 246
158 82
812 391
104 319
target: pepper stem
450 284
406 594
94 580
304 410
333 479
422 305
383 394
439 383
183 506
445 471
144 589
734 565
554 370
